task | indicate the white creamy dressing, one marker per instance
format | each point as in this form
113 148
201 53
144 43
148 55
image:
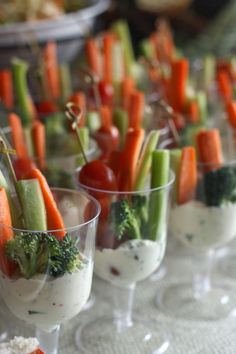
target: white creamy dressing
133 261
19 345
47 302
202 227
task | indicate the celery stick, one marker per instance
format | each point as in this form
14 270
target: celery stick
146 159
122 30
15 214
32 202
117 62
175 156
209 67
147 49
158 200
84 138
120 119
19 70
202 105
65 81
29 141
93 121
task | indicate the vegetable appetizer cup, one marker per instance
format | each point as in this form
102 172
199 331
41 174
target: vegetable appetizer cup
130 246
203 219
46 265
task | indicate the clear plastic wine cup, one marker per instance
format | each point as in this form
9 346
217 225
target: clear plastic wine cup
49 297
124 257
202 225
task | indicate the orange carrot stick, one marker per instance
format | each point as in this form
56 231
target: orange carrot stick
187 179
129 158
231 113
93 56
127 86
209 149
177 84
17 135
54 218
6 232
136 109
6 88
52 69
108 41
39 141
225 86
192 112
106 118
79 99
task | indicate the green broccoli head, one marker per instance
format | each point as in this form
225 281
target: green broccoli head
43 253
220 185
128 217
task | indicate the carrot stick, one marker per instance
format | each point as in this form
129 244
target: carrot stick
6 232
79 99
39 140
231 113
187 179
54 218
136 109
225 86
6 88
127 86
177 84
106 118
192 112
17 135
93 56
209 149
52 69
129 158
108 42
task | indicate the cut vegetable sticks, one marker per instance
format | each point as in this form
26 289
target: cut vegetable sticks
108 42
136 109
6 88
17 135
39 141
187 179
231 113
192 112
106 118
225 86
79 99
6 232
54 218
127 87
93 56
129 159
52 70
209 149
177 84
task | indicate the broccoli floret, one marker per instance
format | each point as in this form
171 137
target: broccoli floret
43 253
128 218
220 186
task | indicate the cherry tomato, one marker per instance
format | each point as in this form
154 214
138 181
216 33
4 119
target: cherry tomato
22 166
107 141
47 107
106 91
98 175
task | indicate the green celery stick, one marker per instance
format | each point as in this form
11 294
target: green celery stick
93 121
32 202
209 67
117 62
83 133
202 104
19 71
121 28
175 156
146 159
65 81
147 49
15 214
120 119
158 200
29 141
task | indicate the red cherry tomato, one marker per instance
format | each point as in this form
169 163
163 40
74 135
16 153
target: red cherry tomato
98 175
106 91
22 166
46 108
107 141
